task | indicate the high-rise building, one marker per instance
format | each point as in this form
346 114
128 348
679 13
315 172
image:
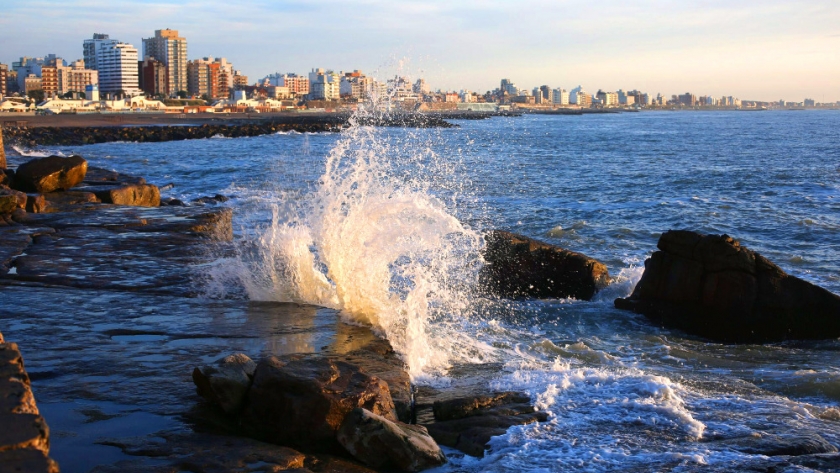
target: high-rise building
357 85
211 77
90 47
153 77
4 76
76 77
116 63
298 85
171 49
560 96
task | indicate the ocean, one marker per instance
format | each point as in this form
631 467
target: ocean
385 224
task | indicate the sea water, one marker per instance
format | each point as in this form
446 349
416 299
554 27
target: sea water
385 225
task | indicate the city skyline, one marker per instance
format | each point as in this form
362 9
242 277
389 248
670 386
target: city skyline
755 50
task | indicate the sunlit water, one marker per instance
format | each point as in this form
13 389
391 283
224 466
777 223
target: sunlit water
385 225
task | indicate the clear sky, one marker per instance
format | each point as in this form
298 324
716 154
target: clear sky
752 49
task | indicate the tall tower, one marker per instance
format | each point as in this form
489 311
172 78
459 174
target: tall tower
90 47
166 46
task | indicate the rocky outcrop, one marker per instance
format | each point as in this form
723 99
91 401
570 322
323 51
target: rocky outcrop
24 436
518 266
50 174
713 287
468 423
302 402
227 382
382 443
136 195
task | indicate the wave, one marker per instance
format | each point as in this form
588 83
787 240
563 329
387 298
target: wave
36 153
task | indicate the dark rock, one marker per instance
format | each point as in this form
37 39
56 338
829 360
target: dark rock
382 443
19 199
773 444
36 203
226 383
137 195
99 176
24 431
713 287
302 402
8 203
467 424
218 198
63 201
173 201
519 266
50 174
27 461
468 406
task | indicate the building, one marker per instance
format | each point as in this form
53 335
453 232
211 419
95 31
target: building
808 102
90 47
607 99
210 77
32 82
153 77
298 85
239 80
355 85
575 95
688 99
421 87
324 85
508 87
560 96
171 49
116 63
58 80
4 76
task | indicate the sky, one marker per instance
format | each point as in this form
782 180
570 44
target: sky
751 49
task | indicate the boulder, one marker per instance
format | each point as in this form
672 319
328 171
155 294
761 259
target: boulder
8 203
138 195
22 431
302 401
518 266
711 286
50 174
382 443
468 423
227 382
27 460
20 197
36 203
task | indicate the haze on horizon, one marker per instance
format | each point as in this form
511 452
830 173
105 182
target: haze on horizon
752 49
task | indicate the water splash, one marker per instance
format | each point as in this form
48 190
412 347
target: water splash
374 241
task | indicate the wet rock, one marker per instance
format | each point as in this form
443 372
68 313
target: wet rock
36 203
467 424
20 197
27 461
65 201
172 201
382 443
137 195
713 287
227 382
100 176
773 444
8 203
302 402
22 431
50 174
475 405
205 453
16 397
379 359
518 266
216 199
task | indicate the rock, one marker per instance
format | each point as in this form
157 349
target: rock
773 444
137 195
713 287
2 150
476 405
99 176
24 431
172 201
467 424
218 198
302 402
16 397
50 174
60 201
519 266
36 203
382 443
27 461
8 203
226 384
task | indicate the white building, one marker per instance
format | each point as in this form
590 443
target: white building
324 85
575 94
90 47
560 96
117 66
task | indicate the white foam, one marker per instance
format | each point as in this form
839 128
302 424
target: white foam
36 153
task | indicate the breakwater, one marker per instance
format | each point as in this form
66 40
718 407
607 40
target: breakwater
84 135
